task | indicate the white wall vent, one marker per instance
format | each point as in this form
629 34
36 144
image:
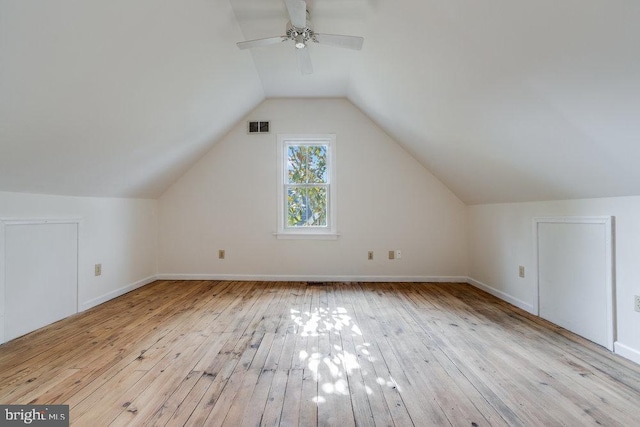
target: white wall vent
258 127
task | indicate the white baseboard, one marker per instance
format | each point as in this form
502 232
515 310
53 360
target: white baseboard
116 293
502 295
306 278
626 352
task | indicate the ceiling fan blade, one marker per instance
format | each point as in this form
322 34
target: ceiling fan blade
349 42
304 61
297 12
261 42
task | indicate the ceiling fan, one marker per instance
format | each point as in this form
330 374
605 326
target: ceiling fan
300 31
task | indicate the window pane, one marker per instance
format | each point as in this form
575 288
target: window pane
306 206
317 164
296 164
307 164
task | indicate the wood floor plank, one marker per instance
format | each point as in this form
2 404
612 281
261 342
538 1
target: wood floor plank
272 413
291 403
447 373
384 393
177 396
423 356
106 397
199 353
540 374
421 403
221 401
351 363
309 359
334 396
254 407
98 343
255 386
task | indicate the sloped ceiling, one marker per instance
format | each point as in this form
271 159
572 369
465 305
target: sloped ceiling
509 100
503 101
116 97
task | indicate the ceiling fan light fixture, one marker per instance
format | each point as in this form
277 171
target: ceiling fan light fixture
300 42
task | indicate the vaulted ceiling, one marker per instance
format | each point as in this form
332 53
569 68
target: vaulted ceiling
501 100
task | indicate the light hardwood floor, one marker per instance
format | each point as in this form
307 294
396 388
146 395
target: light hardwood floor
257 353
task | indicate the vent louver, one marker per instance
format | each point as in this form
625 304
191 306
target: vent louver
258 127
317 283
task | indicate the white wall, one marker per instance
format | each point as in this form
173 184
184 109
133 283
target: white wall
386 201
501 237
121 234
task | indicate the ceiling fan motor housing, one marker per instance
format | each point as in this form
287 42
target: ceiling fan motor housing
295 33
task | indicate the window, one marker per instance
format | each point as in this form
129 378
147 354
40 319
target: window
306 186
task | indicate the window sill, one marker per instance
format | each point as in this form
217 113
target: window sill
307 236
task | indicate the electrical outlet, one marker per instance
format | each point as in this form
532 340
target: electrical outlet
221 254
637 302
97 270
398 254
370 255
521 271
392 254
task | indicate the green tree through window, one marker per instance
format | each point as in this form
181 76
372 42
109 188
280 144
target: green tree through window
307 185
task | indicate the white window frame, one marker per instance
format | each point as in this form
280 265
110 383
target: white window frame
325 233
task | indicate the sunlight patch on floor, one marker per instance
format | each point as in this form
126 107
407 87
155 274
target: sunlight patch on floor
332 371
